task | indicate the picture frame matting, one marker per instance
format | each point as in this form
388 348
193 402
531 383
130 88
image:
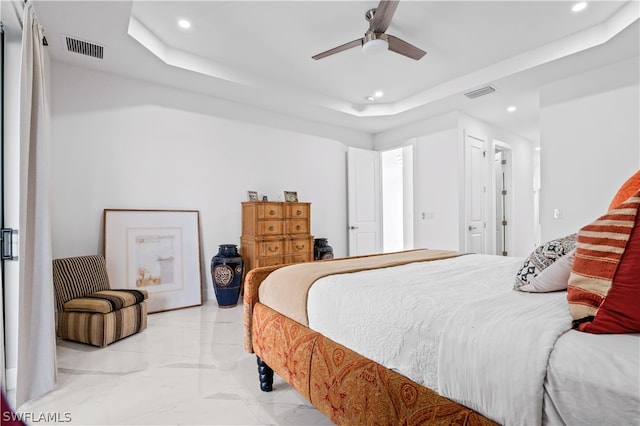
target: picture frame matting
158 251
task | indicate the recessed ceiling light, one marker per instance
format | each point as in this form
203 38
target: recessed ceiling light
511 109
378 93
579 7
183 23
370 98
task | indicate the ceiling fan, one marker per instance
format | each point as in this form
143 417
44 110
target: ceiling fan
375 38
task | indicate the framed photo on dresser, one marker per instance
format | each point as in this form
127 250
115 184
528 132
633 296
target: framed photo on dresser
291 196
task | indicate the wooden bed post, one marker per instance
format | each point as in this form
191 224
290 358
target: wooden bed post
266 376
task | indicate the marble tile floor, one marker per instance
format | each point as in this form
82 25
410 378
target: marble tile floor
189 367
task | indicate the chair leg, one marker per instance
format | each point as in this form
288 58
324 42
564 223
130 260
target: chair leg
266 376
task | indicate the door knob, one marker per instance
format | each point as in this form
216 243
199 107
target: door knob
354 227
471 227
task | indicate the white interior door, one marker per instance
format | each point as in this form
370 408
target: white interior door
475 194
364 193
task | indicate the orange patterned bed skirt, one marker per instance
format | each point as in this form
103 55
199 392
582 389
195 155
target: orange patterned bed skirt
345 386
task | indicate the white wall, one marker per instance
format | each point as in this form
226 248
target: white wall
524 218
590 144
439 180
395 137
119 143
436 190
521 224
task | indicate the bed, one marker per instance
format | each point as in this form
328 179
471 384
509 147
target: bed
440 337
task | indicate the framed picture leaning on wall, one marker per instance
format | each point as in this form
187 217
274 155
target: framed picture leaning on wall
155 250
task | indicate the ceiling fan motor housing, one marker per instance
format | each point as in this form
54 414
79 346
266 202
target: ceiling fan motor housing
374 43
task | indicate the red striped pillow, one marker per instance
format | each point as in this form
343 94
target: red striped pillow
604 285
626 190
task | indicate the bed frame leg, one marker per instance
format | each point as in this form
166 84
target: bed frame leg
266 376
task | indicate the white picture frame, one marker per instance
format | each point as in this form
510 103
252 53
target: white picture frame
158 251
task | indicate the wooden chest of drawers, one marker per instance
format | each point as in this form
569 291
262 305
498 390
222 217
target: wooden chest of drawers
275 233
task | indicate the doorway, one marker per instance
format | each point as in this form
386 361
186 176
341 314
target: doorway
397 199
503 199
380 200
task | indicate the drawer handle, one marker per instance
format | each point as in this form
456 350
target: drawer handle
299 212
299 247
271 228
272 212
298 227
273 250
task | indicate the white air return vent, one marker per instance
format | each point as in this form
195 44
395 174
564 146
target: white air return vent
84 47
480 92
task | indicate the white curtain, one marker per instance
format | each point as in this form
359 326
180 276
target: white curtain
36 326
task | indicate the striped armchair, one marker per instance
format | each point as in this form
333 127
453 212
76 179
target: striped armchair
89 311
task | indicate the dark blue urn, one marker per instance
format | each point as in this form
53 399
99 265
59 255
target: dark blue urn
321 249
226 273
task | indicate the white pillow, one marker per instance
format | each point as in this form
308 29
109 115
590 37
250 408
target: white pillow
553 278
543 257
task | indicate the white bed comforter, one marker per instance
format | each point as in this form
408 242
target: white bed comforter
514 358
593 379
409 306
494 354
457 327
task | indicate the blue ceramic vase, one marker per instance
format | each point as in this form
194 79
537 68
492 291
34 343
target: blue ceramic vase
321 249
226 274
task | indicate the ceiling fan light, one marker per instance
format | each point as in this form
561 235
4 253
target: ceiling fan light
375 46
579 7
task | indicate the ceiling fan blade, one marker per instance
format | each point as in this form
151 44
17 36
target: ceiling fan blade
338 49
382 16
402 47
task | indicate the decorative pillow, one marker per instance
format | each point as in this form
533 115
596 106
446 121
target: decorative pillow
626 190
542 257
554 278
604 288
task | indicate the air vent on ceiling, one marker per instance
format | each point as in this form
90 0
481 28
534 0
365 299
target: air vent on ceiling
480 92
83 47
